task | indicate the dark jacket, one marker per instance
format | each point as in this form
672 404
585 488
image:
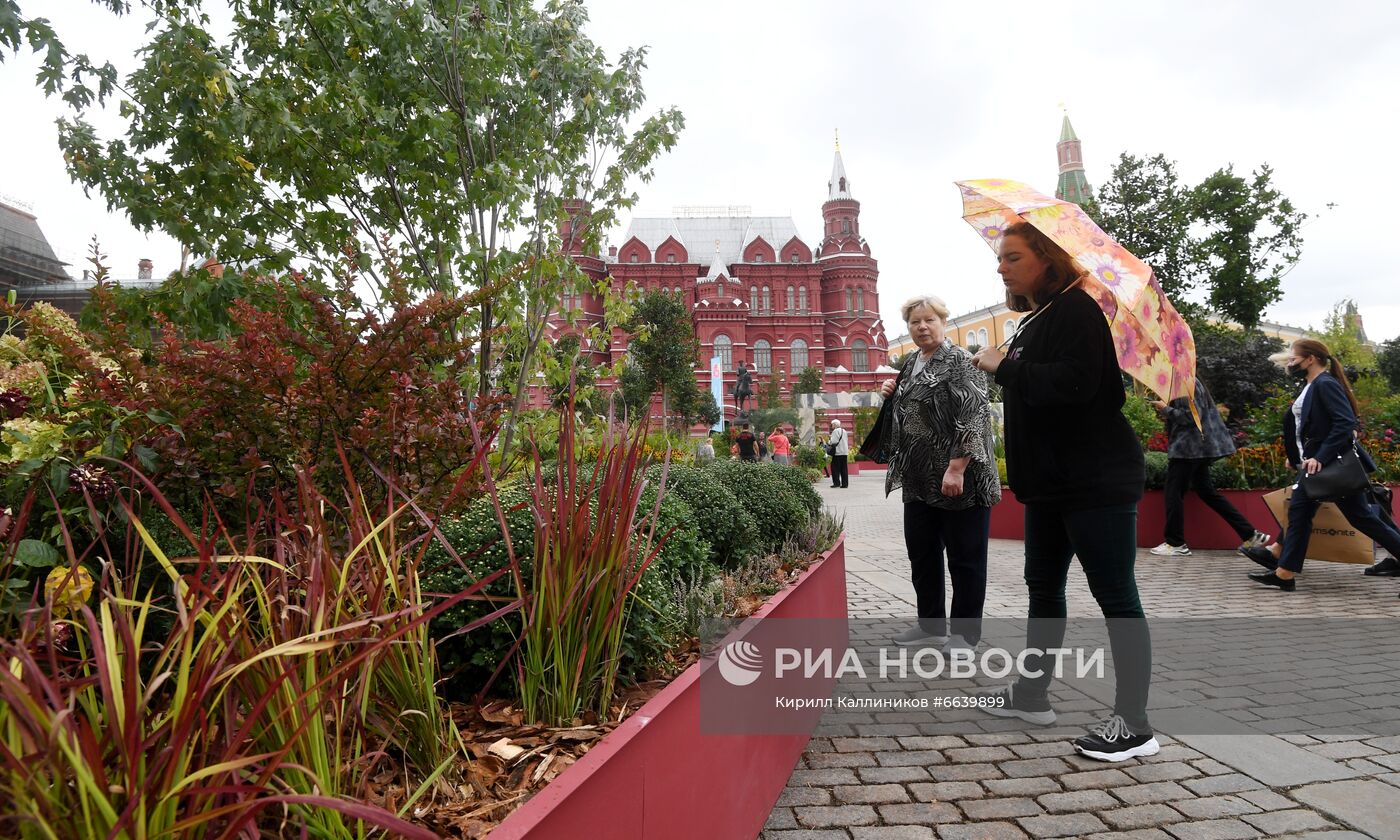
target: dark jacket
1329 424
1067 441
1212 440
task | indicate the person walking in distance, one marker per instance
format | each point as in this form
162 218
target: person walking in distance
840 450
1077 467
1190 452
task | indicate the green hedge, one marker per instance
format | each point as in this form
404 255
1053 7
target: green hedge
730 530
1156 469
780 498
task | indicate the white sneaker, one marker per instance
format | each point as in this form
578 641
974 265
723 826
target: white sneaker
1259 540
916 636
1169 550
956 642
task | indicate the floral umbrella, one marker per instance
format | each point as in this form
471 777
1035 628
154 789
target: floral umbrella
1155 345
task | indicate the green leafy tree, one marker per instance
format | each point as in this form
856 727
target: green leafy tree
1388 363
457 135
809 381
1235 366
1251 239
661 357
1144 206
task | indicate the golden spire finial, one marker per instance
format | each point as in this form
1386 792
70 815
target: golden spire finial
838 139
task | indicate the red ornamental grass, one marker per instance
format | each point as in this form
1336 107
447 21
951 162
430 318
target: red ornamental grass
589 555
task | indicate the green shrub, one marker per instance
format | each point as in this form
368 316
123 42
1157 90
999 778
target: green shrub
470 659
729 529
766 493
811 457
798 485
1156 469
1143 418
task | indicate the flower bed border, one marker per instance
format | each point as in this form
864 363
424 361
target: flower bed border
657 775
1204 529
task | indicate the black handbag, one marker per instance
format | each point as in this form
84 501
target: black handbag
1337 479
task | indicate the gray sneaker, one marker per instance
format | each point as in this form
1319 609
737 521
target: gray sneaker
917 636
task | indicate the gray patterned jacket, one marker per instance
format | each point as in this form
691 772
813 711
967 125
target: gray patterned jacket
1185 441
941 414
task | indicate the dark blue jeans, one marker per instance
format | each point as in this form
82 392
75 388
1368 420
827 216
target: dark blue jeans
1105 540
1358 510
927 532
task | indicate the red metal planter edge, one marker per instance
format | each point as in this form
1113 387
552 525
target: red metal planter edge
1204 528
658 776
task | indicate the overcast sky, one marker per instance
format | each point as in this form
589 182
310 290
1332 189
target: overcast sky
928 93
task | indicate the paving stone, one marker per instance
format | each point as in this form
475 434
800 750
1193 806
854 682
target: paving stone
973 755
1046 750
884 775
1078 800
1232 783
810 778
1213 830
826 761
920 813
946 791
1169 771
894 832
1000 808
804 796
1344 750
1153 792
1029 786
1365 766
805 835
1272 761
828 816
964 772
1211 767
850 745
1364 804
981 831
1275 823
910 757
1140 816
1095 779
1062 825
1215 807
871 794
1136 834
780 818
931 742
1029 767
1267 800
990 739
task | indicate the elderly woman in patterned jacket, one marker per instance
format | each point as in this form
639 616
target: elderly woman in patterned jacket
940 440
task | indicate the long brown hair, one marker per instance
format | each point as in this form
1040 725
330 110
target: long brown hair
1318 350
1060 270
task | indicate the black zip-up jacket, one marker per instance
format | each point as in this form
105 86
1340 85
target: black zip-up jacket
1067 441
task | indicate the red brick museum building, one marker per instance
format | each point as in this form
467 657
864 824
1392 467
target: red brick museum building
758 293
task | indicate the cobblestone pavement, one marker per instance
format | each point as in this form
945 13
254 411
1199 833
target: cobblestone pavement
957 773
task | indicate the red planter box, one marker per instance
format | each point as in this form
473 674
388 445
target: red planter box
657 775
1204 529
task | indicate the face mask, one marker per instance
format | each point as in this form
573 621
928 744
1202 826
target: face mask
1297 371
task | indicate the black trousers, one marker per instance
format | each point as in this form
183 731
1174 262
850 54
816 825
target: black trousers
927 532
839 476
1105 540
1365 516
1194 473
